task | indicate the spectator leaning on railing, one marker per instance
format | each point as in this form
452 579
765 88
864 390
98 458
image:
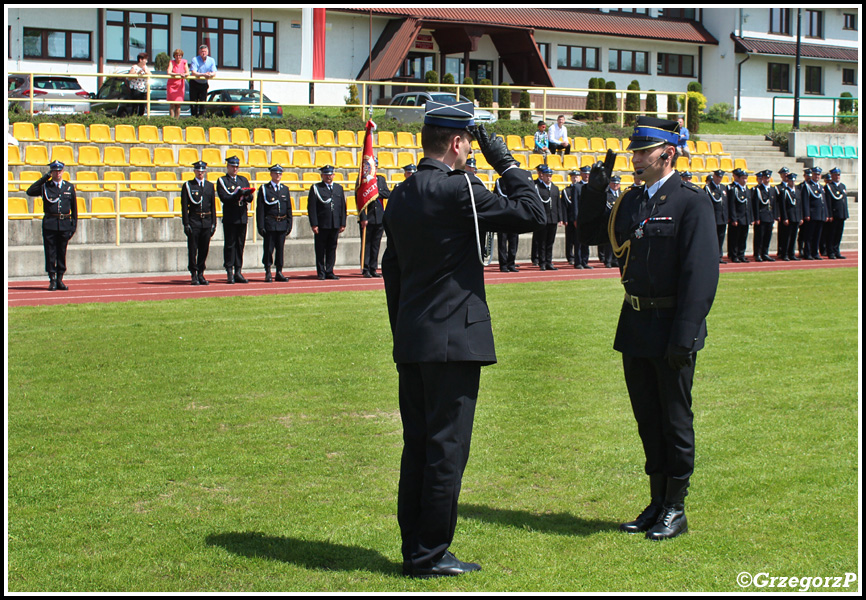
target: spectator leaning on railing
202 69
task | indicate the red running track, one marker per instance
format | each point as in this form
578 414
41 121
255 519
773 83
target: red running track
172 287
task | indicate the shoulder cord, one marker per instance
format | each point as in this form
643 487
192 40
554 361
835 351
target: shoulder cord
483 256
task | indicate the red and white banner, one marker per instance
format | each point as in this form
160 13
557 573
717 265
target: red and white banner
368 188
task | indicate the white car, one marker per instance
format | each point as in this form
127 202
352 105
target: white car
409 107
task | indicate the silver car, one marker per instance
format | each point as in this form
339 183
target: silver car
52 94
409 107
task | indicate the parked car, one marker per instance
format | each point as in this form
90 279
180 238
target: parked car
117 88
409 107
243 108
52 94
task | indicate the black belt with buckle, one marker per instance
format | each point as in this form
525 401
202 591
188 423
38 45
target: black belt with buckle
639 303
63 215
281 217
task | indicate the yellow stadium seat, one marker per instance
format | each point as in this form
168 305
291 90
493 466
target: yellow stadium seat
682 164
114 176
702 147
385 139
83 178
305 137
114 156
187 156
212 156
157 207
521 161
621 163
529 142
716 148
258 158
102 207
75 133
131 208
27 178
218 136
712 163
172 134
49 132
83 213
263 137
302 204
144 177
164 157
18 209
13 156
195 135
167 181
740 163
726 164
36 156
515 143
587 160
100 133
212 176
125 134
406 157
345 160
613 144
480 163
386 160
406 140
323 158
596 144
280 157
148 134
290 179
691 146
283 137
24 131
241 136
88 156
325 138
697 164
139 156
301 159
581 144
64 154
346 139
535 160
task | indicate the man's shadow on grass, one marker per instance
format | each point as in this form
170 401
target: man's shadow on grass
555 523
310 554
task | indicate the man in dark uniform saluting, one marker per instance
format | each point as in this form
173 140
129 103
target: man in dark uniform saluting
665 238
235 193
198 213
434 284
59 222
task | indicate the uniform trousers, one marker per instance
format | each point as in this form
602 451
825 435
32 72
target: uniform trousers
55 243
197 246
370 251
546 239
791 239
325 244
812 237
720 232
661 400
761 239
507 248
233 251
274 243
737 236
437 407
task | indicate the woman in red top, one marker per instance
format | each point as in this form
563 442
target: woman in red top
179 69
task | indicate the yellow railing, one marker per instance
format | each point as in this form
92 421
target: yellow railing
364 87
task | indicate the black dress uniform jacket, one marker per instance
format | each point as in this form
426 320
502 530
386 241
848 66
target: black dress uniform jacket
198 204
232 198
327 208
674 255
274 209
738 205
763 204
720 202
59 204
434 281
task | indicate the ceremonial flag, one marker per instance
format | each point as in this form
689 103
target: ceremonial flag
368 188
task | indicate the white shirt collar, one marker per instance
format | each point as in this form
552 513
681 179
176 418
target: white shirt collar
651 190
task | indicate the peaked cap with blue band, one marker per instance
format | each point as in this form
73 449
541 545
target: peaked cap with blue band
650 132
455 115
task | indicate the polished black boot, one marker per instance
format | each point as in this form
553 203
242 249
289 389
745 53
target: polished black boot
52 282
60 284
672 520
447 566
201 279
240 278
230 277
280 276
268 276
649 516
194 278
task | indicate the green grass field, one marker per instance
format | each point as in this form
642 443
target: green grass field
253 443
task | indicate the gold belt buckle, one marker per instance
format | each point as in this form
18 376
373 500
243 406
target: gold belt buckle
635 302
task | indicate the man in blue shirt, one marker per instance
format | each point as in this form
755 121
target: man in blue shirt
202 69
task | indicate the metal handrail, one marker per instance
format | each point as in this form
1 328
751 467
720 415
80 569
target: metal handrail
833 98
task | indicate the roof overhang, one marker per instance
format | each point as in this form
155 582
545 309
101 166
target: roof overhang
789 49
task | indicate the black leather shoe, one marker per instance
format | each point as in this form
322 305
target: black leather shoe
60 284
671 523
644 521
280 277
375 274
447 566
52 285
268 277
513 269
194 279
230 278
202 280
331 276
240 278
